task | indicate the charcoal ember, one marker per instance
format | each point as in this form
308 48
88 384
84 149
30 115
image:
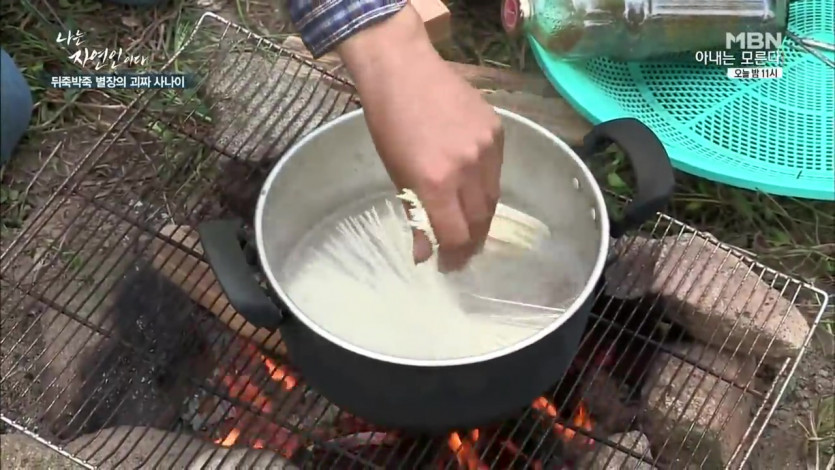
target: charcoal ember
233 459
253 430
714 295
610 458
691 411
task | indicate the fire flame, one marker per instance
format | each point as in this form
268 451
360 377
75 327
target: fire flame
230 438
241 387
462 445
465 452
581 419
280 374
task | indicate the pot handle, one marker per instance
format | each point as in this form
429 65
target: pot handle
233 260
651 164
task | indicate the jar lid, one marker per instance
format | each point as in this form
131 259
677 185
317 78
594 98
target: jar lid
514 13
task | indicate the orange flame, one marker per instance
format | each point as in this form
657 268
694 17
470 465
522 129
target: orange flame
280 374
581 418
464 450
230 438
241 387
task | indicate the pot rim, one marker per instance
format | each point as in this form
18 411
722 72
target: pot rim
597 271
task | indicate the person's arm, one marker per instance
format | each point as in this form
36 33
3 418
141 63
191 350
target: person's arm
434 132
323 24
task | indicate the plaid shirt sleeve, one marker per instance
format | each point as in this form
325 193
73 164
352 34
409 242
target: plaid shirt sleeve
323 24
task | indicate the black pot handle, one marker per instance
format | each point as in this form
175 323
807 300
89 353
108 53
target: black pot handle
651 165
232 259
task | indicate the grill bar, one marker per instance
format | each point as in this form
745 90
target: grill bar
23 430
118 229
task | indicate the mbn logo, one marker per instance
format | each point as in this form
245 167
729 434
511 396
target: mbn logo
754 40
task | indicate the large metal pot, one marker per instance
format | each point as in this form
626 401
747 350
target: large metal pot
337 164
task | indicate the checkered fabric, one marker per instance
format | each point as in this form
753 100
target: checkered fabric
323 24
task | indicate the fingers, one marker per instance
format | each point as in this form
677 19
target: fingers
480 190
492 169
451 228
490 173
461 217
476 207
421 246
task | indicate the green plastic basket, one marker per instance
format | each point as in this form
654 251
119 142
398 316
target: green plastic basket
771 135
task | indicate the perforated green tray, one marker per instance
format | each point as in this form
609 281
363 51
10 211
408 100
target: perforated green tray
772 135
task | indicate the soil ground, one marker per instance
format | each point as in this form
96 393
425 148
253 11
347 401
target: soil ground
793 236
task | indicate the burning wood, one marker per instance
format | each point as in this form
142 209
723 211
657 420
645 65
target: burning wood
254 380
249 426
580 419
280 374
465 452
471 451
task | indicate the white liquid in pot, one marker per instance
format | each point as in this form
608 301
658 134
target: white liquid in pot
420 314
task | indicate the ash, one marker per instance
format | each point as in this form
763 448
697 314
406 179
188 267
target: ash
136 376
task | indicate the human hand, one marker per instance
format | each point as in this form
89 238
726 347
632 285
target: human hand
434 132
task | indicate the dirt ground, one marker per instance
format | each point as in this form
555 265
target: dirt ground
801 433
787 441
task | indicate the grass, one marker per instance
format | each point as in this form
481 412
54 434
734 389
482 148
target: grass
819 426
791 235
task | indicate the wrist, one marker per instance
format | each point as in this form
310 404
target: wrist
398 42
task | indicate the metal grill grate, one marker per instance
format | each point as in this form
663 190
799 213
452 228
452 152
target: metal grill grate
119 350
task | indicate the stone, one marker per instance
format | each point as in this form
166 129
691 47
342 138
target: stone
233 459
631 274
711 292
74 278
263 102
21 451
609 458
138 447
692 412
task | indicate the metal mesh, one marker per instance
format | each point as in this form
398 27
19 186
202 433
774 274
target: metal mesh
89 322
